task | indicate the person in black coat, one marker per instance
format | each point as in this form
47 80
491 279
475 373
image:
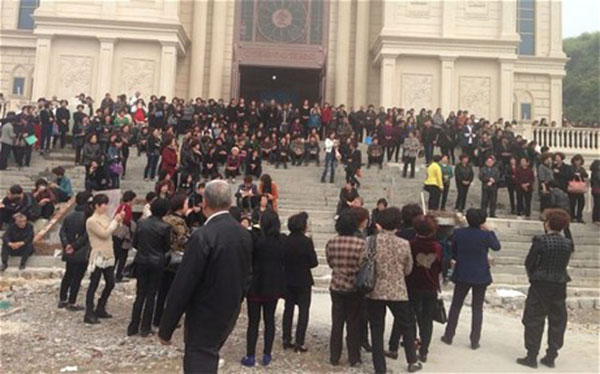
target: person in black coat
299 258
353 163
210 283
152 240
17 241
268 283
76 247
546 266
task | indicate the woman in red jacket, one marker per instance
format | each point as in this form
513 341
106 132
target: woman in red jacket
170 159
524 179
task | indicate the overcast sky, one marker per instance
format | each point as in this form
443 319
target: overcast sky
580 16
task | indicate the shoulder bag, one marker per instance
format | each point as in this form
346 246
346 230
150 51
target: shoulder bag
365 278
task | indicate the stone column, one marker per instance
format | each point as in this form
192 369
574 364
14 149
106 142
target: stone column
105 66
556 99
446 83
507 74
198 53
555 29
388 80
448 18
217 49
361 53
168 69
508 24
42 67
342 56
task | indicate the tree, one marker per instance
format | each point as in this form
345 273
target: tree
581 86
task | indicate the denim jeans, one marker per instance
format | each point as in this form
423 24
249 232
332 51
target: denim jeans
150 171
329 164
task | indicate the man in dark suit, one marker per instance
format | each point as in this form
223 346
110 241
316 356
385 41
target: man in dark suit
210 284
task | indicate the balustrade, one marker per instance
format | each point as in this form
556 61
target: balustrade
567 139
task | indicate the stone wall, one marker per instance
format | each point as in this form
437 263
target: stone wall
16 62
534 89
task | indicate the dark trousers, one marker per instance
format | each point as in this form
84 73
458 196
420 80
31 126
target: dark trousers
165 285
148 281
120 257
4 154
458 298
524 202
393 151
545 300
351 176
428 148
46 137
434 197
345 310
24 252
406 322
296 296
19 153
461 198
268 311
489 196
448 151
69 286
445 195
109 284
512 197
151 164
409 161
329 165
577 203
200 360
125 153
423 304
78 153
378 160
596 207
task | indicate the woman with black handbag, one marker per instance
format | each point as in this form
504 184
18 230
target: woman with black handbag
180 233
424 281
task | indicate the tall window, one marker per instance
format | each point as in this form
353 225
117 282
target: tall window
526 26
26 9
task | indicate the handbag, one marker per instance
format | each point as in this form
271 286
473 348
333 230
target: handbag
576 187
365 278
439 312
116 168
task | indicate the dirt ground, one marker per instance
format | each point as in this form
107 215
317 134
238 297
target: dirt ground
36 337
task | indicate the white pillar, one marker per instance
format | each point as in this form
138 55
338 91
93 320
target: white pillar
507 74
556 99
168 69
555 29
42 67
342 57
448 18
388 80
446 83
107 47
508 24
198 53
361 53
217 49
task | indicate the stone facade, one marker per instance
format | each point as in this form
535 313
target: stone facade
448 54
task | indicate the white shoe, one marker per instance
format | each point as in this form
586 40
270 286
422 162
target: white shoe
221 363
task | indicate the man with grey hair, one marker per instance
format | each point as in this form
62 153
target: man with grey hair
210 284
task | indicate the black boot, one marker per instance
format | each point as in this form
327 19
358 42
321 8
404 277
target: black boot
101 313
4 266
90 318
547 361
528 361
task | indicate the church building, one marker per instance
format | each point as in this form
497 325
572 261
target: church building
493 58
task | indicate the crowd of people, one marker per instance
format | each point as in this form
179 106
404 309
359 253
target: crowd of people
188 222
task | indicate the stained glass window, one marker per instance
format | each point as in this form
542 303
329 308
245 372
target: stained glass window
282 21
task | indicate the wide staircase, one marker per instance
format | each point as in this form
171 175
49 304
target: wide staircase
300 190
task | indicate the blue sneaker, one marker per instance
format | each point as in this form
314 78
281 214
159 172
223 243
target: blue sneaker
266 360
249 361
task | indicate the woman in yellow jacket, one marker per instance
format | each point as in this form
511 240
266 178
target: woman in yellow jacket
434 183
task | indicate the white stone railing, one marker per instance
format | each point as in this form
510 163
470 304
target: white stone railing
566 139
